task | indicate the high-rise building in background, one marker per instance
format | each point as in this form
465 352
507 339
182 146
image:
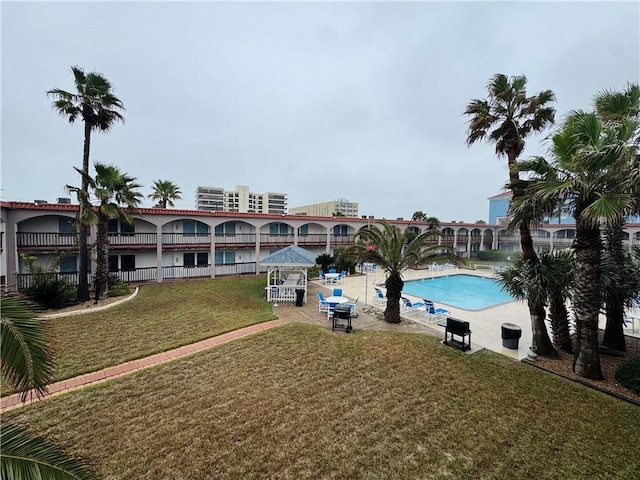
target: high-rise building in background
328 209
241 200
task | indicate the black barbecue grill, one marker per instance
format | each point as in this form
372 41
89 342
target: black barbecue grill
342 317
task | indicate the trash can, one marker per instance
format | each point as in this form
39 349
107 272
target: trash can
299 297
511 334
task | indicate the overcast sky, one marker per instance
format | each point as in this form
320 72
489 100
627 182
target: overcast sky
318 100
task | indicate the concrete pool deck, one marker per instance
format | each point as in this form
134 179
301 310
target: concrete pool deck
485 324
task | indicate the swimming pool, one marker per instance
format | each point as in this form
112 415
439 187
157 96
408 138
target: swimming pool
468 292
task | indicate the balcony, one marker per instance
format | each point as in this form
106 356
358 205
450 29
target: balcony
235 240
32 241
133 240
276 240
185 240
316 239
342 240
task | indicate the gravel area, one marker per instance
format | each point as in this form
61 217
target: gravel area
608 364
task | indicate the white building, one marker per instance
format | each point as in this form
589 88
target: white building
240 200
328 209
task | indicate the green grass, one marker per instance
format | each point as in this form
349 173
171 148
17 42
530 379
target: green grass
160 318
302 402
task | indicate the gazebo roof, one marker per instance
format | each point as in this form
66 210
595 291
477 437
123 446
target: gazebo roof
291 256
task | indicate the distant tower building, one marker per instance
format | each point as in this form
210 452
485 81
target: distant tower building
328 209
240 200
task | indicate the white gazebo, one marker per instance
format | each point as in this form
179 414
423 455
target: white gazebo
287 272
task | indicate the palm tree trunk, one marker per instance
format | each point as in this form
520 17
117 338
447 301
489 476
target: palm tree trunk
394 286
83 250
559 316
586 299
540 342
102 260
614 302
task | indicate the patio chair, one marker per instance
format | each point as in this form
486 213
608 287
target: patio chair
332 270
432 313
354 308
341 277
409 306
323 279
379 297
323 305
337 292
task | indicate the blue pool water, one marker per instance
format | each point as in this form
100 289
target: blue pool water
462 291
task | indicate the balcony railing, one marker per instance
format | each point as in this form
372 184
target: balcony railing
283 239
342 239
128 239
26 280
186 239
235 238
186 272
139 275
46 239
313 239
235 269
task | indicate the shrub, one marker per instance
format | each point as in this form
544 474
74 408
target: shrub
313 272
628 374
47 288
118 288
495 255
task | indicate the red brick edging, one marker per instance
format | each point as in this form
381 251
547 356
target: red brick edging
14 401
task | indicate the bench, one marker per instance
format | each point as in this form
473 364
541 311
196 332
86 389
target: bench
457 328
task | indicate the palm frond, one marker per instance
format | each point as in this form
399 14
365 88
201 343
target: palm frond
26 356
28 456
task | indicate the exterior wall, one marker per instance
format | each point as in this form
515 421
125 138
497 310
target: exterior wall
234 242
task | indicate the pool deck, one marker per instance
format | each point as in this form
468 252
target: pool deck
485 324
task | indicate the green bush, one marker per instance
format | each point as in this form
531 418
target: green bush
313 272
118 288
628 375
52 292
47 288
495 255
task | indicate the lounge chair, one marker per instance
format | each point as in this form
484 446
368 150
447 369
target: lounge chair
409 306
379 296
432 313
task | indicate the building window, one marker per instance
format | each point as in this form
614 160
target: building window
189 259
303 231
127 262
202 259
225 258
113 263
65 225
127 228
68 264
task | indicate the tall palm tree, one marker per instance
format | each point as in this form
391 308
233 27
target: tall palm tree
617 108
117 198
507 117
165 191
99 109
418 216
394 251
27 364
433 223
590 176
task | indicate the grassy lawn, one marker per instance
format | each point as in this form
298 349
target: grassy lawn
302 402
161 317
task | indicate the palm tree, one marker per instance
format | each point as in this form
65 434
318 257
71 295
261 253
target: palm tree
617 108
506 118
113 190
433 223
419 216
166 192
391 249
548 283
27 364
99 109
589 175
